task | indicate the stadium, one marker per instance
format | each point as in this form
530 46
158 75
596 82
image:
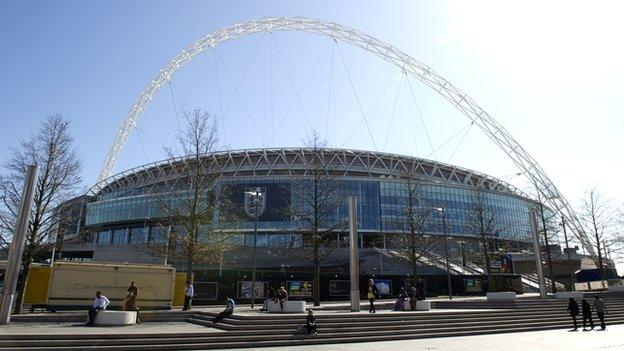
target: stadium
123 213
124 217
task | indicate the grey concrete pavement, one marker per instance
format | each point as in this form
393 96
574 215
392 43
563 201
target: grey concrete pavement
81 328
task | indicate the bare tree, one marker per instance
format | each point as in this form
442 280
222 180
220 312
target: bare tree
413 243
549 233
599 218
315 211
484 223
192 206
52 149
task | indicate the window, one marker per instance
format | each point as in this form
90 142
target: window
120 236
138 235
104 237
158 234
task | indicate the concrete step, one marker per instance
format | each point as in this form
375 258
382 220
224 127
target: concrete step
394 316
396 324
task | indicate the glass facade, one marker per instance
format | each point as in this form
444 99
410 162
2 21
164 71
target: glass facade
381 207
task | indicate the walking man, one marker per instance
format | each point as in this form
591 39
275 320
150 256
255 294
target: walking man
601 310
188 296
99 304
587 314
573 310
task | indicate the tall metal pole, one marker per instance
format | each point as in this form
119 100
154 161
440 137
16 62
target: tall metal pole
17 245
448 268
537 255
565 236
253 255
354 271
551 273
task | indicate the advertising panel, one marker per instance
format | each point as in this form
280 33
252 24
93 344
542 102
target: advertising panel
274 204
473 285
298 288
502 264
339 288
384 286
244 290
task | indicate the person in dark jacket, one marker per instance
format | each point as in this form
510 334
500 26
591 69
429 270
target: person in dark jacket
587 314
400 302
573 310
601 310
371 294
310 323
413 298
281 296
133 290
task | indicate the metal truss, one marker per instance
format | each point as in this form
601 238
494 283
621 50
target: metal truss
494 130
296 162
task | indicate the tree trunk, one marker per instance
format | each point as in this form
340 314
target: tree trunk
317 283
189 271
21 285
486 261
415 278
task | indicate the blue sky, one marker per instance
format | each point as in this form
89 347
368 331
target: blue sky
550 73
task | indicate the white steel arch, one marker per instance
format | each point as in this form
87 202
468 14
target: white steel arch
495 131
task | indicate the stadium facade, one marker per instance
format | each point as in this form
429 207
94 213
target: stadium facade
123 213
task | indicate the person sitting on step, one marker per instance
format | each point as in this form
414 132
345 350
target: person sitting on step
228 311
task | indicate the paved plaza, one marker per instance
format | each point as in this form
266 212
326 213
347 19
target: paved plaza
550 340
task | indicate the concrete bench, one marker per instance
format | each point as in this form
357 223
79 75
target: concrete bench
115 318
564 295
423 305
289 306
502 296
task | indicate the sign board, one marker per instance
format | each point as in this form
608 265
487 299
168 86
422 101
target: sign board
599 285
244 290
298 288
339 288
502 264
384 286
473 284
206 290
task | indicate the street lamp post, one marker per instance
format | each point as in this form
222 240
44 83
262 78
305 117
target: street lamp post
446 252
256 198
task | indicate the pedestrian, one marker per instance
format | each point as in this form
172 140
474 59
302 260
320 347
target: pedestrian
573 310
310 323
133 289
129 304
371 295
228 311
400 302
270 297
188 295
601 310
99 304
587 314
281 296
413 298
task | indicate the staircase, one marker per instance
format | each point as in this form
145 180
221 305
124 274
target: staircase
263 330
529 281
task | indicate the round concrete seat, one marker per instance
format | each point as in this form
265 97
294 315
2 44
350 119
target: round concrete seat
503 296
289 306
423 305
115 318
